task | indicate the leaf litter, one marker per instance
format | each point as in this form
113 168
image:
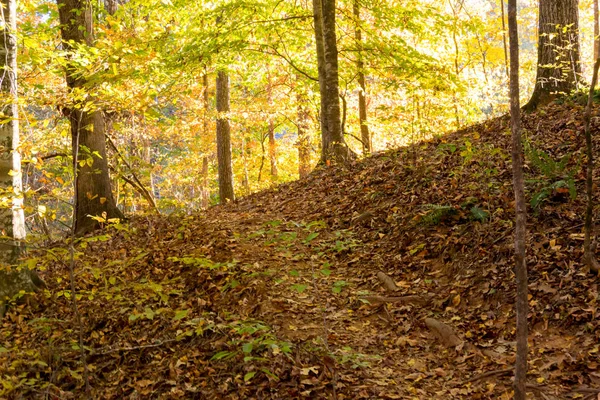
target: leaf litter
340 285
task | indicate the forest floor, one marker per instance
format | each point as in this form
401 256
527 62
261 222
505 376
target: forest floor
278 295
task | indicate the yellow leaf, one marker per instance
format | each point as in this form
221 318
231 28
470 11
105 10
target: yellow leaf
102 200
456 300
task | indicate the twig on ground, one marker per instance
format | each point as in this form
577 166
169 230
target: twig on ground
101 352
488 374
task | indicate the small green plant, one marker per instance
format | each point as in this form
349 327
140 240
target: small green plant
357 360
556 177
435 214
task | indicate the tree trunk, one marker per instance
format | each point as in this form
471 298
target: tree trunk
204 191
245 178
520 206
504 36
596 32
224 140
303 135
558 63
271 130
111 6
93 194
12 220
273 151
318 21
588 250
362 101
337 149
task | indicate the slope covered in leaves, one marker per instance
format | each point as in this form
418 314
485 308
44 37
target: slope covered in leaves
278 295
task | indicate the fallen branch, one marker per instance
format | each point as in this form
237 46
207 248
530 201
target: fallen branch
387 282
101 352
443 332
504 371
135 182
413 299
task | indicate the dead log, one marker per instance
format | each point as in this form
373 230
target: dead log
443 332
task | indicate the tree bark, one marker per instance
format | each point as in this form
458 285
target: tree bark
224 140
596 32
360 67
558 57
520 206
93 194
271 130
204 191
504 36
337 149
318 22
303 135
589 256
12 220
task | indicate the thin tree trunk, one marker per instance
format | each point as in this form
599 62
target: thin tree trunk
520 206
318 22
12 220
360 67
224 139
303 136
596 32
337 148
589 256
273 151
93 195
558 63
245 179
504 36
205 192
271 129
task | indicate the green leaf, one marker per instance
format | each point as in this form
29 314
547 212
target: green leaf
294 273
180 314
478 214
249 376
299 288
4 350
247 347
223 355
311 237
149 313
338 286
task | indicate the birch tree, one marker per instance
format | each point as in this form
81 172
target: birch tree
12 220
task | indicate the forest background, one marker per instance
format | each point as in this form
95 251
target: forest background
429 67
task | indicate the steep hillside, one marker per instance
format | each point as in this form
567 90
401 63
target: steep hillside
284 294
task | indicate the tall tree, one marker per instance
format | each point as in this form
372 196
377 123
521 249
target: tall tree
224 139
205 191
596 31
520 206
12 220
558 60
303 134
93 195
318 25
588 249
365 137
337 147
271 130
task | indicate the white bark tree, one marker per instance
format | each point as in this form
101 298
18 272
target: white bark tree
12 220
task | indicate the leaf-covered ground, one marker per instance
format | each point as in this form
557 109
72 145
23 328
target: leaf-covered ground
277 295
